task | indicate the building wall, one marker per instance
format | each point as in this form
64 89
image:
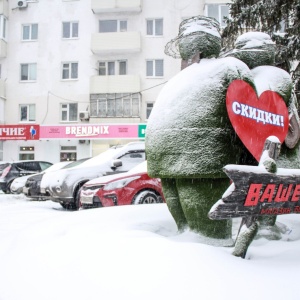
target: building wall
50 50
48 91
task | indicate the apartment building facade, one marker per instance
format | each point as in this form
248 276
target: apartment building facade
78 76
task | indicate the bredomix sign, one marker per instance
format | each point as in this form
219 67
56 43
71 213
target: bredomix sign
93 131
19 132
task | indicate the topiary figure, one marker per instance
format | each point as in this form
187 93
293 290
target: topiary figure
189 135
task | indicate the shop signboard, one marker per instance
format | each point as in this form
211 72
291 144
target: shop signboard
93 131
19 132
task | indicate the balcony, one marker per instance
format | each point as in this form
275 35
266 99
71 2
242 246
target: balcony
115 84
116 42
108 6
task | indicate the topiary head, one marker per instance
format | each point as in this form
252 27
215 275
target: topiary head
196 34
254 49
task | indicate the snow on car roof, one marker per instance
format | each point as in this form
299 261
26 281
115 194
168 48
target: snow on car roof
113 152
57 166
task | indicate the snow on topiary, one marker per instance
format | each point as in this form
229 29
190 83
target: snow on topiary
196 34
189 135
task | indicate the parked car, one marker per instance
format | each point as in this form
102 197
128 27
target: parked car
32 185
132 187
18 183
11 170
63 186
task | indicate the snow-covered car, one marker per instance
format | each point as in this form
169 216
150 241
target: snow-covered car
18 183
31 186
11 170
132 187
63 186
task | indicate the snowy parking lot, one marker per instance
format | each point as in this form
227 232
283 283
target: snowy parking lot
132 252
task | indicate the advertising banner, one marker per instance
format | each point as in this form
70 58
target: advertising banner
19 132
93 131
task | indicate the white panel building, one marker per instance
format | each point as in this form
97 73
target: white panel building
83 62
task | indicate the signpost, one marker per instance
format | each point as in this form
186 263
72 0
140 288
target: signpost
257 192
263 191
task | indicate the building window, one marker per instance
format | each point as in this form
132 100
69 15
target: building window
113 67
148 110
69 112
218 11
155 27
115 105
112 25
26 153
3 22
68 153
70 30
70 70
28 72
30 32
155 68
27 113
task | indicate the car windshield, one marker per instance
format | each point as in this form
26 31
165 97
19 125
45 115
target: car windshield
140 168
75 163
57 166
105 156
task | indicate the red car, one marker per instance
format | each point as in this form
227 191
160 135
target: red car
132 187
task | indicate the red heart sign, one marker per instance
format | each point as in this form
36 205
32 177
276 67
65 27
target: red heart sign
255 119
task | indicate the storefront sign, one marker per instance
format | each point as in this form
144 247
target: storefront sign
256 192
19 132
93 131
253 118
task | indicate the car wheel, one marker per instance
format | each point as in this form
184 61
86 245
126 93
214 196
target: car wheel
147 197
8 191
77 203
64 205
69 206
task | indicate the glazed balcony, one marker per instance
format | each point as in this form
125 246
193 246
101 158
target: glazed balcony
116 42
115 84
108 6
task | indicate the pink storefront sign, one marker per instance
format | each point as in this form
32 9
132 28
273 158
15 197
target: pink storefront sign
95 131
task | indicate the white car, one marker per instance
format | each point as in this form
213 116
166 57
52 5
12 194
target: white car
63 186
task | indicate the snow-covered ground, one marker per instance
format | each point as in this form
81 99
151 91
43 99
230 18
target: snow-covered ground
133 252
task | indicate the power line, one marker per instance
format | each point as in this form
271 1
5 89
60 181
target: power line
65 99
69 100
